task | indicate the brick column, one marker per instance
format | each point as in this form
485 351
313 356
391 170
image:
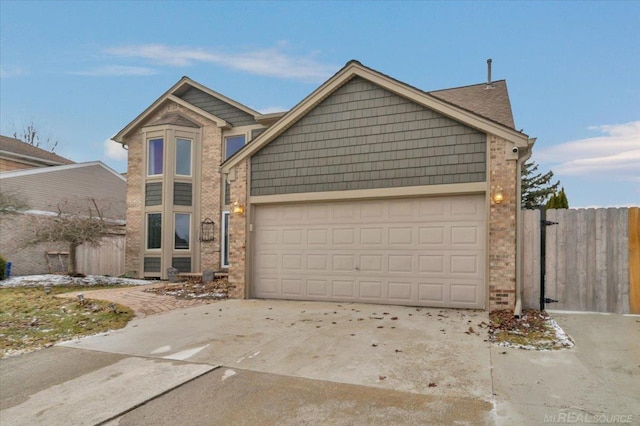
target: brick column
502 227
238 238
135 206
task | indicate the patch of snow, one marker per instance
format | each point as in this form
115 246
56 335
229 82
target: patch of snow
161 350
181 356
51 279
562 339
228 373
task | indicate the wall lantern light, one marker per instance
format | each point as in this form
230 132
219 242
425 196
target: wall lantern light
498 197
238 208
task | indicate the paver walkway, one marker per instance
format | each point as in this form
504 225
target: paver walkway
142 303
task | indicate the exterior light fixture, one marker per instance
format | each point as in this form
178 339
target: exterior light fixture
498 197
238 208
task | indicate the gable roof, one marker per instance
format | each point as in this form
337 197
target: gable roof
173 95
19 150
437 102
490 102
44 187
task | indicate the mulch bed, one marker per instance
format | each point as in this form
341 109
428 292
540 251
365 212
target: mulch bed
533 330
195 289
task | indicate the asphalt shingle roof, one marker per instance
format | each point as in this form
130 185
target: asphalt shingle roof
20 148
492 103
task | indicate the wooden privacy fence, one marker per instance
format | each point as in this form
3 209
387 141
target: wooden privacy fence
592 259
104 259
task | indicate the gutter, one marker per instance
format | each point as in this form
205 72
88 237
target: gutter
517 311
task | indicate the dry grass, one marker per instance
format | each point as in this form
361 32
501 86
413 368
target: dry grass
31 319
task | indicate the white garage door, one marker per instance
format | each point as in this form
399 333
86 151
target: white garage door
420 251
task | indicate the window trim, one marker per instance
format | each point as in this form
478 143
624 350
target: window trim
146 232
225 240
175 168
175 214
149 140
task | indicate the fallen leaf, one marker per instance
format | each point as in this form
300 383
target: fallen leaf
375 345
398 350
382 377
381 326
432 385
333 322
394 318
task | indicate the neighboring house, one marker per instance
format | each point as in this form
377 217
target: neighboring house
70 188
368 190
18 155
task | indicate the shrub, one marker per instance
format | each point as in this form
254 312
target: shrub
3 267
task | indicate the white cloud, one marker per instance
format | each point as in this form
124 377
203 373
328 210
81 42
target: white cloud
614 156
8 72
114 150
116 71
272 62
271 109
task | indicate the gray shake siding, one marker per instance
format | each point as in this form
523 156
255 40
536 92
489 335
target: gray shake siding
229 113
364 137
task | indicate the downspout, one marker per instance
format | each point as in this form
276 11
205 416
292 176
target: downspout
517 311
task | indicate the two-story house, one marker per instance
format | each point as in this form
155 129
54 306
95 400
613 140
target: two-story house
368 190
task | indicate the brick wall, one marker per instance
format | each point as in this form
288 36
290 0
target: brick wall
14 236
135 205
502 227
238 240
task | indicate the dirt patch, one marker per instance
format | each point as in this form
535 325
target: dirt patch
534 330
217 289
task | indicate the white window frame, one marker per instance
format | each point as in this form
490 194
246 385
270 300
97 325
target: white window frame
225 249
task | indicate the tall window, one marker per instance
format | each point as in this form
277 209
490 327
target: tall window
225 239
154 230
183 157
155 157
233 144
182 231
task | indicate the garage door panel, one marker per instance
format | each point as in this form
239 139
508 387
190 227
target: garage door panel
400 292
432 293
343 289
292 287
423 252
372 290
399 236
371 236
463 293
318 288
431 264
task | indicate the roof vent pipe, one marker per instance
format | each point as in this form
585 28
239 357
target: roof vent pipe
489 84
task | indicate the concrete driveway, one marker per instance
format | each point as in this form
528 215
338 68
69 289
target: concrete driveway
278 362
